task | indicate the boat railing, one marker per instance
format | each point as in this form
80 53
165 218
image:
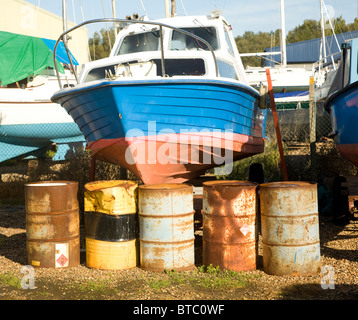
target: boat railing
63 38
329 60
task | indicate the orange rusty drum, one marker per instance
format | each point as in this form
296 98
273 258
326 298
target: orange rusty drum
52 224
230 225
290 228
166 227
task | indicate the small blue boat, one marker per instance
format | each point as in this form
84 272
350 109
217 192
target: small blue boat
342 103
168 114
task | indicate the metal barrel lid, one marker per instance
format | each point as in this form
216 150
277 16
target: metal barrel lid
105 184
166 187
113 197
288 184
229 183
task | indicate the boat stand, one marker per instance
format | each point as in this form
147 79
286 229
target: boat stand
351 191
93 168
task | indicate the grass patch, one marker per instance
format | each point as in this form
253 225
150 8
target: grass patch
8 279
158 284
91 285
211 277
205 277
88 290
270 160
93 288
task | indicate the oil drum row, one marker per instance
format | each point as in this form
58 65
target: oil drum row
114 212
152 226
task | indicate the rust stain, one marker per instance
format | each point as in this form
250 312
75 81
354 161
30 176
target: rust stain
112 197
290 235
166 222
230 224
52 217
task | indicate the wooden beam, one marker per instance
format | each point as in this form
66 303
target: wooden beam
277 127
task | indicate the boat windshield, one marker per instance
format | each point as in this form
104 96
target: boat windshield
181 41
140 42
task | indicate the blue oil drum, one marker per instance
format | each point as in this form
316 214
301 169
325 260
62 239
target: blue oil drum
166 227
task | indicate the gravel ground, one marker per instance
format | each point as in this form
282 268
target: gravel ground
338 250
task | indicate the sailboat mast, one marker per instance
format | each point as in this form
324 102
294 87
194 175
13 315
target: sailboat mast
64 17
174 10
283 35
167 8
323 34
114 17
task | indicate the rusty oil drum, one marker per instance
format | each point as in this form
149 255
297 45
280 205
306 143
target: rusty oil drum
230 224
111 224
290 228
166 227
52 224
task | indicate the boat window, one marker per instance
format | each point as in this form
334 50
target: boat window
147 41
99 73
181 41
181 67
226 70
173 67
228 42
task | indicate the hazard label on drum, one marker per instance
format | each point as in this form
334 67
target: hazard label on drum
61 255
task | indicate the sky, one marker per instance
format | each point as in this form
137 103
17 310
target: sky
243 15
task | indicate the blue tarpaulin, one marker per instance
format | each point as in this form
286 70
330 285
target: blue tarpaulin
294 94
61 54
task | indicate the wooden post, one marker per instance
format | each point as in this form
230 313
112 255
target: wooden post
174 10
275 120
312 126
93 168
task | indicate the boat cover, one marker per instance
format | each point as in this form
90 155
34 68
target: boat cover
22 56
342 78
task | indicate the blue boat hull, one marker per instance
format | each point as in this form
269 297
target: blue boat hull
26 139
343 107
115 114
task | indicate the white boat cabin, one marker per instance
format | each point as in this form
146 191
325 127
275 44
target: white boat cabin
137 52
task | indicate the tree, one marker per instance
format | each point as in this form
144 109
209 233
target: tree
101 44
310 29
252 42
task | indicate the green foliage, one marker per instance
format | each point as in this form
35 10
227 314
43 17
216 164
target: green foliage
251 42
310 29
270 160
101 44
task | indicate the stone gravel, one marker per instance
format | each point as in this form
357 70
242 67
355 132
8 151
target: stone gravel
338 251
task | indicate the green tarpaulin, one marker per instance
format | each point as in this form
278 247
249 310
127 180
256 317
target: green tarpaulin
22 56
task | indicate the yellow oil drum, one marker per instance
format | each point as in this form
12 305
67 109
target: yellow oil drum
111 224
52 224
290 228
110 255
230 234
166 227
